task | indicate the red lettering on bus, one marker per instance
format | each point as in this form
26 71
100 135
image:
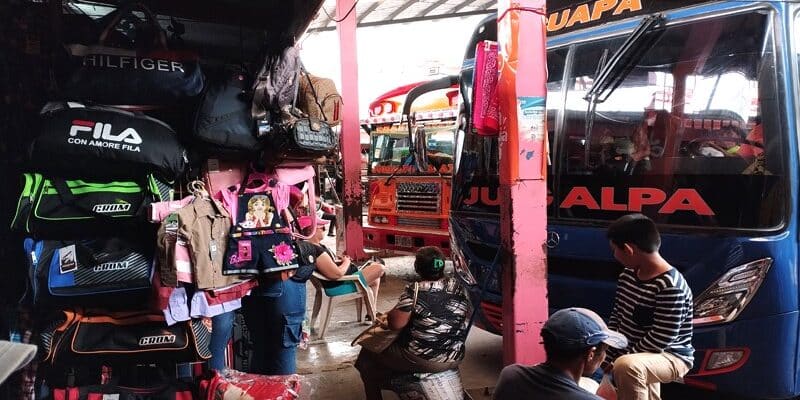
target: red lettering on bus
687 200
638 197
473 196
483 195
485 199
580 196
681 200
607 200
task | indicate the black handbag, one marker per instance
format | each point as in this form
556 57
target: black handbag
153 76
300 138
224 123
77 141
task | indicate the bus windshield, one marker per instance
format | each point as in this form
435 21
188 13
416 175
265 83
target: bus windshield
390 151
692 136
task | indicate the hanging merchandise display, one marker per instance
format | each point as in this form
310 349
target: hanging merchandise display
122 275
150 74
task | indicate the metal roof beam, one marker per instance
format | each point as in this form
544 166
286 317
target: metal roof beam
431 8
407 20
399 10
461 5
369 9
486 4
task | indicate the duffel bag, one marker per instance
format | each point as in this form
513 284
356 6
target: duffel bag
89 337
55 208
151 75
95 142
168 391
89 267
224 123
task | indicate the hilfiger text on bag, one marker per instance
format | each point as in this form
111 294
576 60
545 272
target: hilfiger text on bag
131 63
101 136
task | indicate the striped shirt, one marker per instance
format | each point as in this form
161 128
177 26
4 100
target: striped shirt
655 315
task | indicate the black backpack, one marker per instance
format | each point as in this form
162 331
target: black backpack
223 123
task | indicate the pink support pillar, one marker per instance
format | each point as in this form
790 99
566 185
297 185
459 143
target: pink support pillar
350 139
523 176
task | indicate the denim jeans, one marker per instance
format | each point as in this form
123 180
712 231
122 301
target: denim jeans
221 332
274 317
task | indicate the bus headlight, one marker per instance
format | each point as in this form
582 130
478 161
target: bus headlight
729 295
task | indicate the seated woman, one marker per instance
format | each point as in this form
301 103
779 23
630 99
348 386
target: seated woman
329 265
434 328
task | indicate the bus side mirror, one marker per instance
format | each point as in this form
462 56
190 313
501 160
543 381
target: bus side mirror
420 149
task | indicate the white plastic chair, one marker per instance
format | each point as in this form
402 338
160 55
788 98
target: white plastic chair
349 287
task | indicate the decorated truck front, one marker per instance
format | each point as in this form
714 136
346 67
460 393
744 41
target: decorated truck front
409 203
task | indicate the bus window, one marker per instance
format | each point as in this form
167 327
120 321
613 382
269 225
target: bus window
686 137
388 150
556 60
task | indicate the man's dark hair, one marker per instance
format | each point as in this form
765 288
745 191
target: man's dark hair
429 263
557 353
635 229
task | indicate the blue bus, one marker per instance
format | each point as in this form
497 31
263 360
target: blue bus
684 111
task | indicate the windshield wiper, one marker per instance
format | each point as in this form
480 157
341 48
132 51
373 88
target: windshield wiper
613 72
624 59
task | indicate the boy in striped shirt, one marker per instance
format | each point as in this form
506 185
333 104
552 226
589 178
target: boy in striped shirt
652 308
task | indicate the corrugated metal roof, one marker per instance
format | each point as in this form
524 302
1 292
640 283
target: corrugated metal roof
380 12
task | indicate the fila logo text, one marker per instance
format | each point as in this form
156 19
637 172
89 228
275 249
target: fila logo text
101 130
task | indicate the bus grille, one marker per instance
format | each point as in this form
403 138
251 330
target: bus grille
418 197
421 222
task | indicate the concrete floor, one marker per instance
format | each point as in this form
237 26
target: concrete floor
327 365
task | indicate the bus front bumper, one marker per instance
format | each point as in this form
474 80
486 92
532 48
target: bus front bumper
404 239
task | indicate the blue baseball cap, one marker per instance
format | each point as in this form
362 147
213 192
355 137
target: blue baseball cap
578 328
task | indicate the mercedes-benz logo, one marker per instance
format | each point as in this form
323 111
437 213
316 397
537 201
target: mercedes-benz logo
552 239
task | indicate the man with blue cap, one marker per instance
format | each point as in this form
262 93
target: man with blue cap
575 343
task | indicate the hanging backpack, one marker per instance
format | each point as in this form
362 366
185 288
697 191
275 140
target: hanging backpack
274 87
224 123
